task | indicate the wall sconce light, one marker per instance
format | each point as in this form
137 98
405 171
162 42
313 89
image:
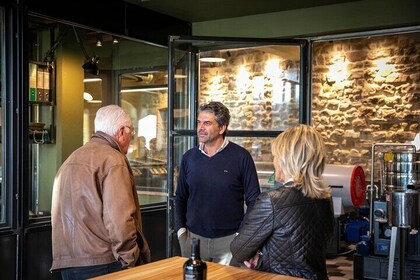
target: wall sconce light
115 40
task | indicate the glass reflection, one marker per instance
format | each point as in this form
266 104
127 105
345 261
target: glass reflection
81 93
260 150
144 96
184 92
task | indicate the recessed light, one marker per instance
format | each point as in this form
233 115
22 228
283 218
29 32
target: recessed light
212 59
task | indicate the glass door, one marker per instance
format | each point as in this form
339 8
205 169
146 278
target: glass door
262 82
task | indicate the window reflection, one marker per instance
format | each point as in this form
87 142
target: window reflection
260 150
92 101
144 96
81 92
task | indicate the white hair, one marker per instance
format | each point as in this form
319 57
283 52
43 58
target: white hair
110 119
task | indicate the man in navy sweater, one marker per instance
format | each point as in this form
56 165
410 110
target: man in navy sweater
215 179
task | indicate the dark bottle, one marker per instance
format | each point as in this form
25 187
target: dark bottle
195 268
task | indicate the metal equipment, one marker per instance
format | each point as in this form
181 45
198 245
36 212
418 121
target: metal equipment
348 187
394 213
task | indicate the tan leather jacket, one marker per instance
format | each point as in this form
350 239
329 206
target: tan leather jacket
95 208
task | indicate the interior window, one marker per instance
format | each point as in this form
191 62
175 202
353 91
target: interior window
144 95
72 73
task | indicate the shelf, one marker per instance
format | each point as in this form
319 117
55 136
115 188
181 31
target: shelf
46 103
41 103
41 83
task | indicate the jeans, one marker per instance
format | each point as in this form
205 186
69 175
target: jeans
85 272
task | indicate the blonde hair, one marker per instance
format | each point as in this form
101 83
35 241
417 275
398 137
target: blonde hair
300 153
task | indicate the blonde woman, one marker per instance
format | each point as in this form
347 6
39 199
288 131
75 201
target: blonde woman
288 229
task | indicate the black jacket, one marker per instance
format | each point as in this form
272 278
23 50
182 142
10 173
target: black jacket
290 230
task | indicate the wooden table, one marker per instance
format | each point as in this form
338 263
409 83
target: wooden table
171 269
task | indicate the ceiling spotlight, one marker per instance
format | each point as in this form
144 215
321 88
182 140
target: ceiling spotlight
98 40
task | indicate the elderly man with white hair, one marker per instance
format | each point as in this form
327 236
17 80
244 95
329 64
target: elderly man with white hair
96 219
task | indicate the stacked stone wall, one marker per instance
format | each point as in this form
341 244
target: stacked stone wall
371 96
257 100
364 91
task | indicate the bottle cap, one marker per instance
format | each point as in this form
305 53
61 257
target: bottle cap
195 241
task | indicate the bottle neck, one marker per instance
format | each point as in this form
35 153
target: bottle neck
195 251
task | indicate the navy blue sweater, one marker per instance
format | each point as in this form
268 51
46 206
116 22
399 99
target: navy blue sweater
211 191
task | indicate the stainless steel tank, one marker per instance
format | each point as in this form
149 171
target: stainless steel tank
403 208
401 169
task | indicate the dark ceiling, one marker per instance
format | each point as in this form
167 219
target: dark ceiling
203 10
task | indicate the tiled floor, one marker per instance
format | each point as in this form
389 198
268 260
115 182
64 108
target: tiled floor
340 267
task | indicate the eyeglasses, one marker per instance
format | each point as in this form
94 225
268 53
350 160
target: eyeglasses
133 131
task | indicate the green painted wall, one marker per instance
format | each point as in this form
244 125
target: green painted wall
70 89
68 119
360 15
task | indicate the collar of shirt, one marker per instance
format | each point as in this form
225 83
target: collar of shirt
288 183
225 142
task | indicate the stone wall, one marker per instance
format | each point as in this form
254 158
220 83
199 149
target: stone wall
365 91
250 92
260 88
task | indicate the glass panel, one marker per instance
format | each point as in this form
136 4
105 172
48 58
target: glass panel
260 150
184 89
258 82
90 78
181 145
144 95
259 85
